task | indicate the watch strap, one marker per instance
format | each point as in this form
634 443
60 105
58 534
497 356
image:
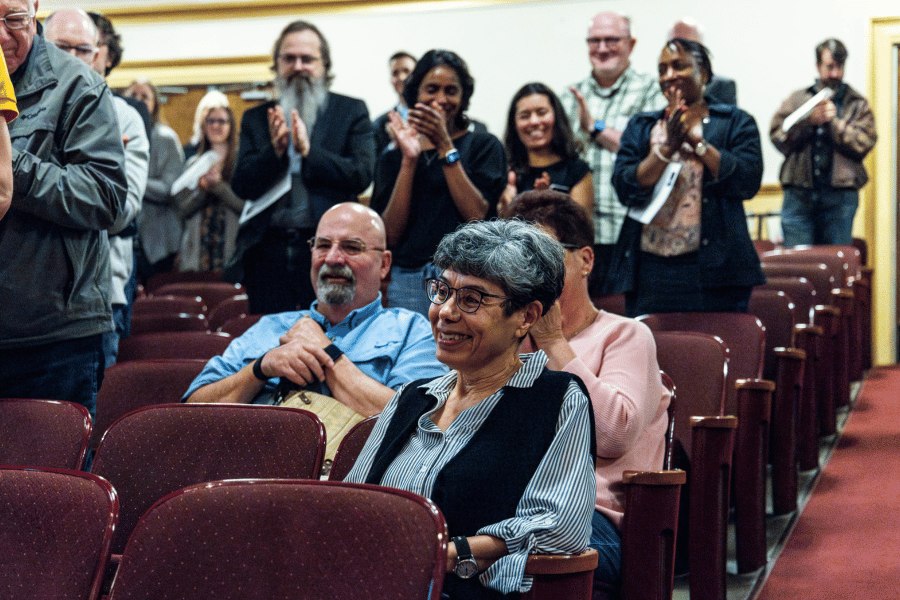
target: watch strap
463 551
257 369
333 351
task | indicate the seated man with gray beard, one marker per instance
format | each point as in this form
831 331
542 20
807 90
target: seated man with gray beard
316 148
360 351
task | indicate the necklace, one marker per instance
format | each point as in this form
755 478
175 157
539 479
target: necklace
592 315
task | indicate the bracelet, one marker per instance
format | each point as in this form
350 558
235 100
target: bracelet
257 369
660 154
333 351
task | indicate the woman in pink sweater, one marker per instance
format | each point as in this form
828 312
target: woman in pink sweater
614 356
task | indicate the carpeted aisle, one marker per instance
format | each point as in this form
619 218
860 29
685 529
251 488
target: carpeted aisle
846 544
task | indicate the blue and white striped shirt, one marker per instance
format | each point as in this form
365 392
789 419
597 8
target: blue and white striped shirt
554 514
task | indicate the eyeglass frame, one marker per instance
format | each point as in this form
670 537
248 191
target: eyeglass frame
611 41
365 248
291 59
29 15
214 121
482 295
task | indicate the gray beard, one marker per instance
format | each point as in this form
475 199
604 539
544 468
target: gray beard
304 95
334 293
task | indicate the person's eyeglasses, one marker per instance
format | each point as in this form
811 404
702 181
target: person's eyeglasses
611 42
80 50
570 246
467 299
349 247
18 20
217 122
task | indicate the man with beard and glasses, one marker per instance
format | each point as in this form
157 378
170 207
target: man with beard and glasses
306 151
347 341
823 171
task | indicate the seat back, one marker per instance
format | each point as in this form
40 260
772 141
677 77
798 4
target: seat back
165 322
173 344
227 309
167 305
156 450
801 292
777 312
212 292
350 447
286 539
55 530
43 433
742 333
816 273
611 303
134 384
157 280
697 363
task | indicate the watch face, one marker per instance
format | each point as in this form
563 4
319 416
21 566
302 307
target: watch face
452 157
466 568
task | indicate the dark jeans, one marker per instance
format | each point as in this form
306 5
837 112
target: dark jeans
818 216
607 541
276 272
69 370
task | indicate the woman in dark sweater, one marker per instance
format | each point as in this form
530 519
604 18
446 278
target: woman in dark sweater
439 175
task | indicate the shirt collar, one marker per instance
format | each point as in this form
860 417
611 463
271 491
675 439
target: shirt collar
614 88
533 365
354 319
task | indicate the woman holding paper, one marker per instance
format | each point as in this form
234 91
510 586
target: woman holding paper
695 252
208 205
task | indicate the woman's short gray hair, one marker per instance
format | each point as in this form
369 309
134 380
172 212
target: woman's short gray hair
519 257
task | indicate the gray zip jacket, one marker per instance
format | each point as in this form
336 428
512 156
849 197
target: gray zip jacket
69 187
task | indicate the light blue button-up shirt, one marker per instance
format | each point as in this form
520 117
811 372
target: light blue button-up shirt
391 345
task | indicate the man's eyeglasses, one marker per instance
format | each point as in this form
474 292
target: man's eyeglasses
349 247
610 41
19 20
80 50
467 299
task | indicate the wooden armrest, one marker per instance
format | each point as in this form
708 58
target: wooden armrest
809 329
755 384
790 353
673 477
727 422
556 564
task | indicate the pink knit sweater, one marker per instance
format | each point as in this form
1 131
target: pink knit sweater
616 359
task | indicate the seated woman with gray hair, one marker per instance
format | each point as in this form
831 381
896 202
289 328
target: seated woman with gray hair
501 444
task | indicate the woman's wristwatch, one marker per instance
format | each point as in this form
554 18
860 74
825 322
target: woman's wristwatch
466 567
451 157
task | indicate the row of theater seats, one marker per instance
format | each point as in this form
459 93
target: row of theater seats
751 389
789 368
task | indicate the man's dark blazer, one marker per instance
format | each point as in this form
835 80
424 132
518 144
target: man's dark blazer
340 164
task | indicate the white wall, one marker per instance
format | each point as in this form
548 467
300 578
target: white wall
767 45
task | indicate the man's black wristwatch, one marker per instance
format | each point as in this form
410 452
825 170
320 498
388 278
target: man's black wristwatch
466 567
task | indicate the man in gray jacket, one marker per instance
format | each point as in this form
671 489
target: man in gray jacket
69 188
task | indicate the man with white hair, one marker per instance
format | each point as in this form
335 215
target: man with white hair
720 90
317 143
73 31
599 107
69 189
360 351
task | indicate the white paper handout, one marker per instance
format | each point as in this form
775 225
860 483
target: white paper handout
806 108
191 177
661 192
254 207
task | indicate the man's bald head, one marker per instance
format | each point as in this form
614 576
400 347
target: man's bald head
73 31
349 277
687 29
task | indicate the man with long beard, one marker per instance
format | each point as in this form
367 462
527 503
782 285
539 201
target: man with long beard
313 143
361 351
